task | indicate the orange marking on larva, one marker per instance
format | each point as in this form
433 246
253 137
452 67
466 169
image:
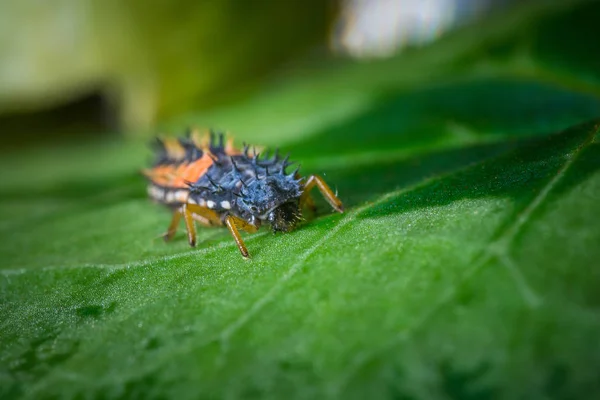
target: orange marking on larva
162 175
198 168
179 171
192 171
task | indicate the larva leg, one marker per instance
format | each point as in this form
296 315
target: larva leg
230 221
316 180
242 224
172 226
193 212
204 215
308 202
190 225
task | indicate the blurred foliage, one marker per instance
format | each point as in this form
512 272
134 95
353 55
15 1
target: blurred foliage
150 59
464 268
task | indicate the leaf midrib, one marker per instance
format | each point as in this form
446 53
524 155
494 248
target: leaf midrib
497 248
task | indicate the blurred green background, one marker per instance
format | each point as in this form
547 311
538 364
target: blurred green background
81 66
71 68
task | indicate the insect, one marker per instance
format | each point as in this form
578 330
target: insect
204 180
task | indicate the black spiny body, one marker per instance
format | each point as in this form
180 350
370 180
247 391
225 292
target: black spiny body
212 183
253 189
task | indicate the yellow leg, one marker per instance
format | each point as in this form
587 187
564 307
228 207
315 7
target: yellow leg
172 226
232 224
192 212
316 180
204 215
244 225
308 202
190 225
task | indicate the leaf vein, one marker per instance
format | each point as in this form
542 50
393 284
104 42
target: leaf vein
498 248
530 297
258 305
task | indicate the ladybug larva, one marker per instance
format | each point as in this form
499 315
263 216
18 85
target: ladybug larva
204 180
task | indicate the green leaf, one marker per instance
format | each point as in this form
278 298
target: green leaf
465 266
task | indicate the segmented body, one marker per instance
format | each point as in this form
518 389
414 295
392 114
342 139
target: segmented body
179 162
215 184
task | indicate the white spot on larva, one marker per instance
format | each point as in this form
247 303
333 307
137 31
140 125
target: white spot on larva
210 204
225 204
191 201
170 197
156 192
181 196
202 202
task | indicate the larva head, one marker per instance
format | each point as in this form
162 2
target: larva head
285 217
273 199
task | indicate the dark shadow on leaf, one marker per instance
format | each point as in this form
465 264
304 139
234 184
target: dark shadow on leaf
95 311
145 386
520 175
39 356
383 375
463 111
563 41
466 384
369 182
